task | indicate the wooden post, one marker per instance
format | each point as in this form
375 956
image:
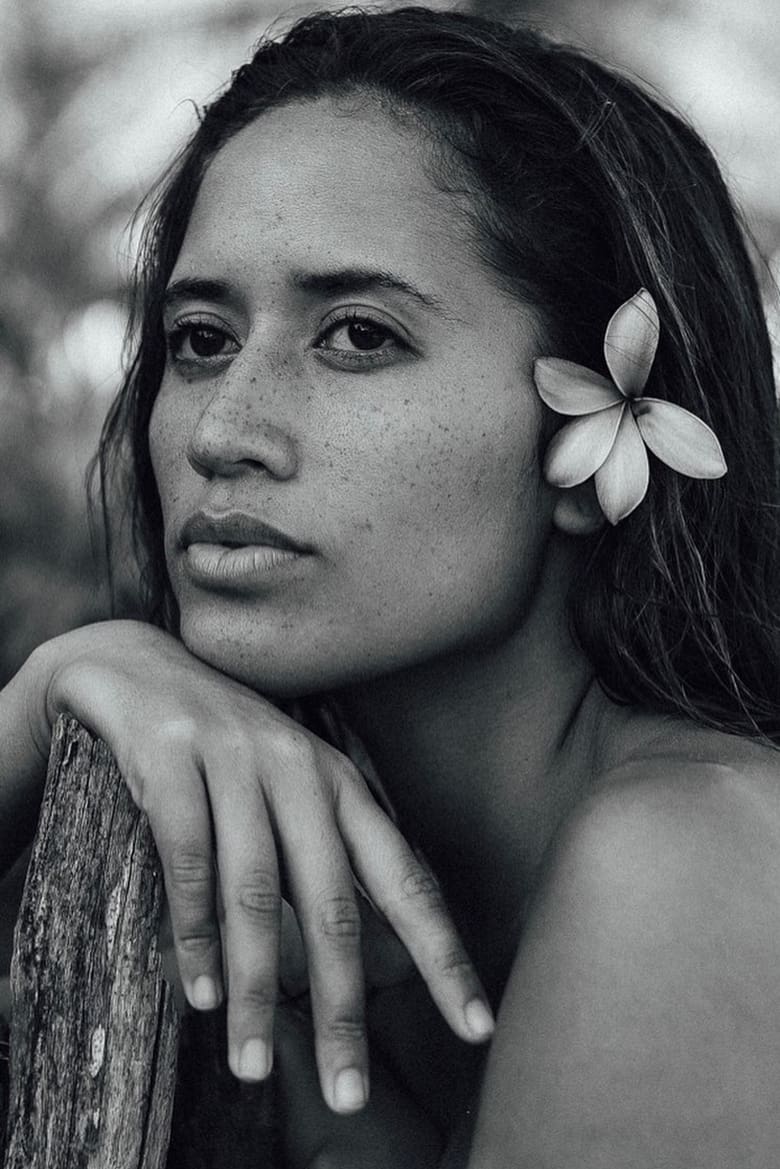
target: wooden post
93 1026
94 1030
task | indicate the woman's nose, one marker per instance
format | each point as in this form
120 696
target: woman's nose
235 431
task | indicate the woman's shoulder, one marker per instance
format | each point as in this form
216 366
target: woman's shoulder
640 1018
680 834
682 815
688 819
666 776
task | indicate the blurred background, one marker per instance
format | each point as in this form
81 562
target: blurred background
96 95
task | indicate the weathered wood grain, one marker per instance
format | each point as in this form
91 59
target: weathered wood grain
94 1029
93 1025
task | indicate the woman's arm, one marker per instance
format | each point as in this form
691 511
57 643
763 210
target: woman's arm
224 775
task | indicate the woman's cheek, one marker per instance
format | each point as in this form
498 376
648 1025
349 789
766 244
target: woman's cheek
165 440
449 519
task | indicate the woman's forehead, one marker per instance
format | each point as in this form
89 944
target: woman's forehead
325 185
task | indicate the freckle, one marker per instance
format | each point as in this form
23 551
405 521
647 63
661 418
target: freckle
253 381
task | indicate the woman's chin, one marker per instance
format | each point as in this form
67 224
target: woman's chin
268 660
261 664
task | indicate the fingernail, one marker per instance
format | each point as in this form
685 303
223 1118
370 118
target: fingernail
204 994
479 1019
255 1060
349 1090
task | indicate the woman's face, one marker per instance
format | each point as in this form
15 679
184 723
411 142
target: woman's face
345 438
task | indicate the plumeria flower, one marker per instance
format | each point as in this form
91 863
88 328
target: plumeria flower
614 422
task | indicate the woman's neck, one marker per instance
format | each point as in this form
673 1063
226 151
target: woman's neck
483 753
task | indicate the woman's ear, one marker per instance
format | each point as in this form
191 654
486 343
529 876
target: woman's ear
577 511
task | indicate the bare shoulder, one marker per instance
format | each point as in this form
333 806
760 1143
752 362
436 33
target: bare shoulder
705 797
641 1021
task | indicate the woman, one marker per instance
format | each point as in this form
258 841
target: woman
414 302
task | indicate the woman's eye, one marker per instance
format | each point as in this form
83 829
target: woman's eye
364 336
360 341
199 342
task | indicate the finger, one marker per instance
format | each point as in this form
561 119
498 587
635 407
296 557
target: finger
325 898
182 833
249 885
405 890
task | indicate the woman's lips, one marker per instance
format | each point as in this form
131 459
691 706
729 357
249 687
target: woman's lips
236 549
217 564
234 529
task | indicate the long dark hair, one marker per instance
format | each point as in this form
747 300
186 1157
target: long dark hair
581 188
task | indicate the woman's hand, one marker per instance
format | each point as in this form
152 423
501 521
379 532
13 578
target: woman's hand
240 798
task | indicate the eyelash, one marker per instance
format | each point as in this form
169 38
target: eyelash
183 329
365 359
347 358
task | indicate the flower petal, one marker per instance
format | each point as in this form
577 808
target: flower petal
568 388
621 481
680 439
580 447
630 343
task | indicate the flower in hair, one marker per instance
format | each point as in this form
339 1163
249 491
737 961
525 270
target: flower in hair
614 423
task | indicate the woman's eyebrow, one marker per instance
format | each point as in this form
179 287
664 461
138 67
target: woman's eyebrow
340 281
355 280
195 288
